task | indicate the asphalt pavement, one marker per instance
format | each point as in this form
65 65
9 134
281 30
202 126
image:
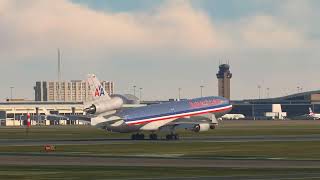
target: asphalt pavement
278 138
153 162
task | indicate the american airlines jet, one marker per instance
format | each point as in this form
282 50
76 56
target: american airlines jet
186 114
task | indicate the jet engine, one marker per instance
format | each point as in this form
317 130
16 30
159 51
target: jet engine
212 126
100 106
201 127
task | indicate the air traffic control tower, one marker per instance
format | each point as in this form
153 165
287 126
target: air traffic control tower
224 75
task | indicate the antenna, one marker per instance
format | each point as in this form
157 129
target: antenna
59 73
59 65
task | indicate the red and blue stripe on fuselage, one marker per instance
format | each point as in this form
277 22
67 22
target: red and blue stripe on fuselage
176 109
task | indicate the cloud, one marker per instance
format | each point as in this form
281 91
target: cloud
266 32
37 27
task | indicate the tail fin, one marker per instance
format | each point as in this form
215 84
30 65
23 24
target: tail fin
97 90
310 111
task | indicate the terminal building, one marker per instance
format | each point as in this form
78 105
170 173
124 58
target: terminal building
296 105
14 113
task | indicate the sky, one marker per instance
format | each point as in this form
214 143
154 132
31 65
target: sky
162 45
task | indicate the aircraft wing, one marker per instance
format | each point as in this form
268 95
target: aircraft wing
191 123
192 120
195 120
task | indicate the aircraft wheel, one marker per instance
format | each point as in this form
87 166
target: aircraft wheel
176 137
169 137
172 137
133 137
212 126
153 136
141 136
137 136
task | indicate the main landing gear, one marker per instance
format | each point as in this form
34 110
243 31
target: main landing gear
153 136
137 136
172 136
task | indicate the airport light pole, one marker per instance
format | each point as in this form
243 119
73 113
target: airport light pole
201 87
253 115
11 88
140 97
268 92
134 90
179 94
259 91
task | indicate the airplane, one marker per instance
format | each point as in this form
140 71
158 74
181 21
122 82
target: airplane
233 116
108 113
313 115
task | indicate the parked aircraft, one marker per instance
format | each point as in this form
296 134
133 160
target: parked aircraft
233 116
313 115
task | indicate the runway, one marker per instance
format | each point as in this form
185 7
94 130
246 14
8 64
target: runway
153 162
37 142
245 177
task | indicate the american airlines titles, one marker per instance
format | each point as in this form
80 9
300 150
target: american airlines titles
203 103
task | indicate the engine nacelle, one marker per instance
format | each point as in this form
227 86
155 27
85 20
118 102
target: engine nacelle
201 127
101 106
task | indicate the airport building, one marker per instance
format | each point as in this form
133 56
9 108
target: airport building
67 91
296 106
224 75
293 106
14 113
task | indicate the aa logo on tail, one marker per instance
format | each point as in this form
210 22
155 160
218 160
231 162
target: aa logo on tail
99 91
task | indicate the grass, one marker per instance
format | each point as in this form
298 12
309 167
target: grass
226 128
286 150
98 172
51 132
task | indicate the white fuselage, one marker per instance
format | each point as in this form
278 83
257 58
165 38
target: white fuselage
233 116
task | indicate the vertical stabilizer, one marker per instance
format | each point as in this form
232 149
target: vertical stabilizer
310 112
97 90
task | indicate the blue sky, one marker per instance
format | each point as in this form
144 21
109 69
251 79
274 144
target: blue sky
162 45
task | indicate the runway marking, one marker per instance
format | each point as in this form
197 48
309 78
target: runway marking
156 155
